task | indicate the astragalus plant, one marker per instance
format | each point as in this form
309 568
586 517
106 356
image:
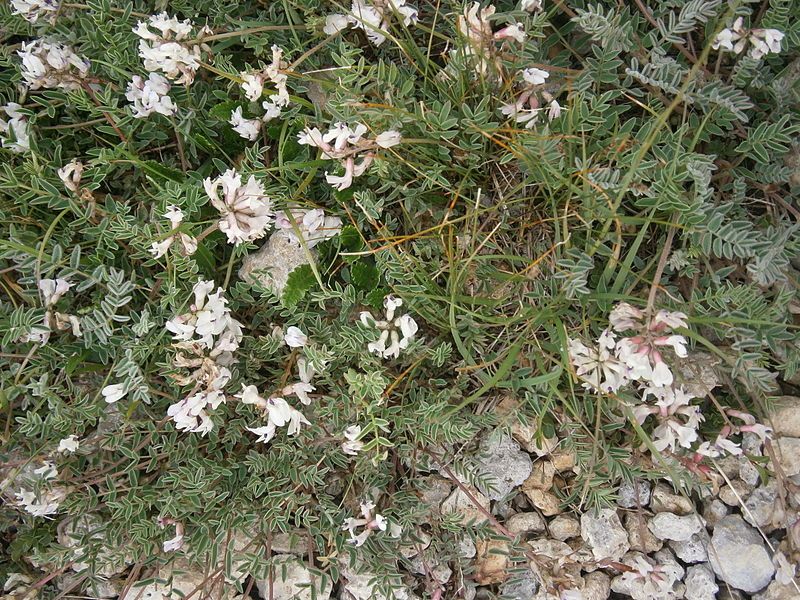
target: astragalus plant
572 204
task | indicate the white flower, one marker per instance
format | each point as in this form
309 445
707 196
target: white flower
42 504
370 523
535 76
555 110
335 23
69 444
191 413
531 5
624 317
352 445
15 135
295 338
765 41
114 392
246 210
31 10
279 414
515 32
187 242
47 64
175 543
784 570
731 39
246 128
165 51
599 368
396 332
279 100
209 317
52 290
70 175
389 138
310 226
150 96
253 85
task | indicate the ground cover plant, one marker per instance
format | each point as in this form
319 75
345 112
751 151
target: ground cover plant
273 271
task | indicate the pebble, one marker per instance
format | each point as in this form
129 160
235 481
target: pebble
501 458
738 555
664 500
778 591
564 527
788 452
700 583
520 586
666 526
735 493
762 508
458 502
785 416
492 562
292 579
550 548
596 586
632 495
541 477
604 534
545 501
713 511
748 472
271 265
692 550
639 535
359 585
528 522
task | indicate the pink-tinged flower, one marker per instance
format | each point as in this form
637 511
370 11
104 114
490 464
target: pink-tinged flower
624 317
245 209
597 367
188 244
515 32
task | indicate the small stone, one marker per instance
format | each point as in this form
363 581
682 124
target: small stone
788 452
458 502
520 586
550 548
563 460
271 265
748 472
699 375
666 526
501 458
639 536
700 584
692 550
564 527
292 579
466 547
441 572
784 416
735 493
666 587
738 555
541 477
596 586
295 542
544 501
632 495
360 585
664 500
763 509
778 591
529 522
543 447
604 534
433 490
714 511
492 562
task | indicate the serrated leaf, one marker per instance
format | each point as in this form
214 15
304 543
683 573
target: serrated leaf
299 282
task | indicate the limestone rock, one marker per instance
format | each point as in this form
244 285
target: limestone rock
545 501
713 511
788 452
541 477
564 527
666 526
763 509
528 522
550 548
731 494
784 417
292 580
632 495
604 534
181 580
639 535
664 500
596 586
458 502
778 591
520 587
699 375
692 550
360 585
738 555
271 264
700 583
508 466
491 562
666 587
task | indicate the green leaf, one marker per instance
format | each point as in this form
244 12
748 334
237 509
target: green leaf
365 276
300 281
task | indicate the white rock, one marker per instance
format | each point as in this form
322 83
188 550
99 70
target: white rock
271 265
632 495
596 586
763 509
777 591
735 493
520 586
666 526
541 477
362 586
550 548
785 416
508 466
666 587
713 511
700 584
292 580
458 502
664 500
788 452
181 580
604 534
639 535
738 555
692 550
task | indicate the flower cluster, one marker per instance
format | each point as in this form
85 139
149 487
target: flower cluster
71 174
307 227
206 338
31 10
176 543
346 144
52 290
276 411
245 209
474 26
48 64
37 496
253 85
528 105
735 39
368 523
164 46
149 96
352 444
396 331
188 244
15 135
374 18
